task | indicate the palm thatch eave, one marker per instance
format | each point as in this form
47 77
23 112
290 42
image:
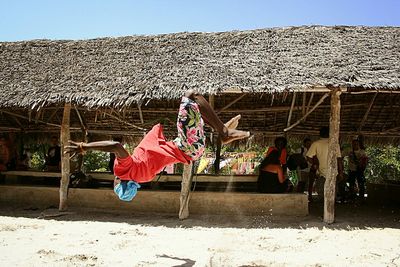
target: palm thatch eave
118 72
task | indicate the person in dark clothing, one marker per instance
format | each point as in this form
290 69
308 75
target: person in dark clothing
53 157
271 178
112 156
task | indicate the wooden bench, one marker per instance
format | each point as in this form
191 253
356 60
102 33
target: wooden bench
224 203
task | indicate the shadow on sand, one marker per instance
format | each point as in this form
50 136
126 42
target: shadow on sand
348 217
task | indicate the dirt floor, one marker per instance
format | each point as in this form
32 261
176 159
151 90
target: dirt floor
363 235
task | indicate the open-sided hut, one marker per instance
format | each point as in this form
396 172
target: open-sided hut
292 80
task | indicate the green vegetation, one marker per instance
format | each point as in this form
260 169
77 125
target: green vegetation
96 161
383 164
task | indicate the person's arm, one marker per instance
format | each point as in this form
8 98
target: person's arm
281 176
105 146
311 153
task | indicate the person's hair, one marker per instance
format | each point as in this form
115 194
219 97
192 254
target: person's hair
324 132
118 139
280 142
361 141
306 140
272 158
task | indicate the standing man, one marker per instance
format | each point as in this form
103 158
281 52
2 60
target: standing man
53 157
319 149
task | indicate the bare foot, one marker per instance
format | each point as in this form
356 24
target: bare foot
233 123
233 135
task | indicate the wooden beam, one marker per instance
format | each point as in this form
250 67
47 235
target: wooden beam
140 113
29 119
309 104
291 109
308 113
186 184
333 154
303 109
125 122
364 119
65 163
374 91
231 103
83 124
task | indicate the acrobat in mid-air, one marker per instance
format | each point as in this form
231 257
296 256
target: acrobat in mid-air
154 153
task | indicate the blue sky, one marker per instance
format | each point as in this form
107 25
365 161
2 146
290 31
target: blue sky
83 19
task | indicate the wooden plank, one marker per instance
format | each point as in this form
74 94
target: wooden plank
333 154
65 163
32 173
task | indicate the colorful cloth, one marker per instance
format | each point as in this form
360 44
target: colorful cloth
126 190
191 137
149 158
154 153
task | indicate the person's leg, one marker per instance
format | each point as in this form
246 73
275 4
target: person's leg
361 184
311 179
227 134
352 183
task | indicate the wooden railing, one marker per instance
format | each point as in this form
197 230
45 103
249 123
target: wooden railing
163 178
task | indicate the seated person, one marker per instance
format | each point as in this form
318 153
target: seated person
4 154
53 157
280 147
271 178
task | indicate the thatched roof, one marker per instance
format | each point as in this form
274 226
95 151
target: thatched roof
117 72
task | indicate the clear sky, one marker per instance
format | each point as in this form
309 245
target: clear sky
83 19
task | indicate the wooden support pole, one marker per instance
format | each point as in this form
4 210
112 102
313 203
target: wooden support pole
333 154
303 108
217 155
186 184
308 113
65 168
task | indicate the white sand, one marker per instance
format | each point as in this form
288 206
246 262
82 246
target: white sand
79 239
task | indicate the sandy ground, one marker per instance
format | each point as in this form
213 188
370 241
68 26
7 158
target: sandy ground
362 236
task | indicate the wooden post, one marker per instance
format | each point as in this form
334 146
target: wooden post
185 191
333 153
217 160
65 168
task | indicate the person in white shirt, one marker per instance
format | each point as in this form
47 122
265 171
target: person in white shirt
319 149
